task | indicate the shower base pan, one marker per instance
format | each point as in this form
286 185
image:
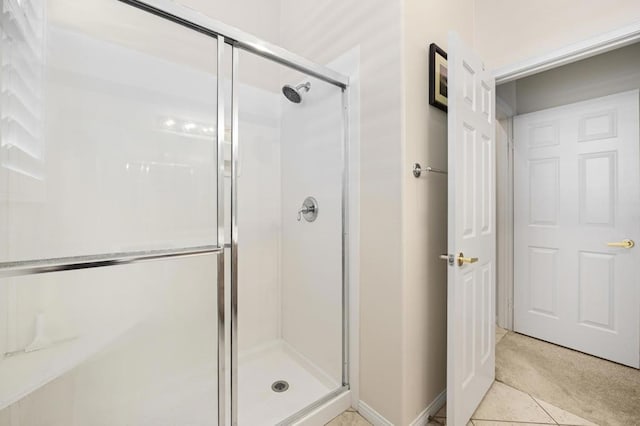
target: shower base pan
258 372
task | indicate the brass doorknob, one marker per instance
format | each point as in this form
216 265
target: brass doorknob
462 260
624 244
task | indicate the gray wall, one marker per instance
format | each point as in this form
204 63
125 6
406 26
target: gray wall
612 72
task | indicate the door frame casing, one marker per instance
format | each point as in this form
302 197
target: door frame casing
505 234
571 53
504 221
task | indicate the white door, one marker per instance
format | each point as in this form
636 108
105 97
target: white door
577 188
471 233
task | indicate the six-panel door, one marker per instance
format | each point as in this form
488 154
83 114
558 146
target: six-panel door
576 190
471 233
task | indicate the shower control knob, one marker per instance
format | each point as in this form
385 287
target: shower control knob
309 210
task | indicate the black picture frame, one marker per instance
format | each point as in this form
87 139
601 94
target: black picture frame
438 72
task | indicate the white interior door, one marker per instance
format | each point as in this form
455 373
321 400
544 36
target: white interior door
577 188
471 233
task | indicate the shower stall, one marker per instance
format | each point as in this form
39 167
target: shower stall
173 220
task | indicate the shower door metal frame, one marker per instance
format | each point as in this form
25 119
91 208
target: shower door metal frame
195 20
221 299
240 40
294 417
225 35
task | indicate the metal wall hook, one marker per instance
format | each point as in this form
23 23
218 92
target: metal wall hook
417 170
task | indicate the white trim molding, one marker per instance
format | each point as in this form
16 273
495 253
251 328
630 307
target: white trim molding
375 418
574 52
504 227
571 53
431 410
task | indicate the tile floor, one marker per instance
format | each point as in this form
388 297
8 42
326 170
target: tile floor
601 391
505 406
500 333
349 418
502 406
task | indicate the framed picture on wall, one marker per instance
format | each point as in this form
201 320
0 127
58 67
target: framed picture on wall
438 77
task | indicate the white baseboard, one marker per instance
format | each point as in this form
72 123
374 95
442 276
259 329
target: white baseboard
431 410
375 418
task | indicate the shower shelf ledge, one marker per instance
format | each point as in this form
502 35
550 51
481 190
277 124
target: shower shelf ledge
24 373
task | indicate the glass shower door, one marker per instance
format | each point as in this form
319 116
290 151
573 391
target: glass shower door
108 156
288 215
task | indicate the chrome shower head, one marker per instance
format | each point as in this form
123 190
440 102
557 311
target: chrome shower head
294 94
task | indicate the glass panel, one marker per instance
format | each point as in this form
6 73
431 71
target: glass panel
115 346
108 130
290 270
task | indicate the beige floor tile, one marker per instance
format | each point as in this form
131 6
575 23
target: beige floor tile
500 333
495 423
441 421
563 417
442 412
601 391
349 418
504 403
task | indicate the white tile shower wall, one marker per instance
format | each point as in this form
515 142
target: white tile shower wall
105 108
259 220
4 319
142 213
89 83
157 369
116 176
312 137
258 17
